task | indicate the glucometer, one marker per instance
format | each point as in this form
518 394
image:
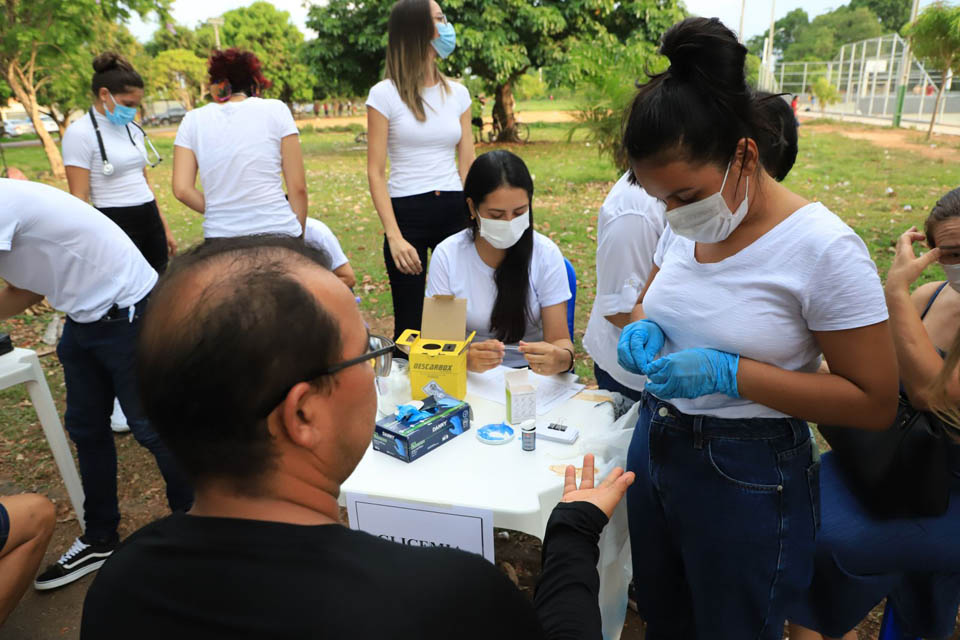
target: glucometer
557 432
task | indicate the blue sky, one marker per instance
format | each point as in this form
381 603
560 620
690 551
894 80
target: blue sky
756 18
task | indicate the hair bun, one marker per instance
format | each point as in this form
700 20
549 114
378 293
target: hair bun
703 48
110 60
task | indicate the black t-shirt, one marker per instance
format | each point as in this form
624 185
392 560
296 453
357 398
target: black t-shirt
194 577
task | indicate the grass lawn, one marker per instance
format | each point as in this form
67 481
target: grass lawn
850 176
526 106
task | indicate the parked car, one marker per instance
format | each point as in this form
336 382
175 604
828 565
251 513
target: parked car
172 115
49 124
17 127
23 126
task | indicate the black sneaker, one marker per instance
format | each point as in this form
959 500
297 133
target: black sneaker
82 558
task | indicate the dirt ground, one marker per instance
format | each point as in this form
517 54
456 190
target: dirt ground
940 147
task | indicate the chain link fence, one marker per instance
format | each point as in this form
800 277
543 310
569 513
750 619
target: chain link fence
868 75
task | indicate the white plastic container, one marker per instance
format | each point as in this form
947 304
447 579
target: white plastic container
394 390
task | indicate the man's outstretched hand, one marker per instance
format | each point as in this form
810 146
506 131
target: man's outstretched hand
604 496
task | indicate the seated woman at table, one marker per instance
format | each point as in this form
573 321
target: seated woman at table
912 561
514 279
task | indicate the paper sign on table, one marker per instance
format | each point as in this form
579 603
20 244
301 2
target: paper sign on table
422 525
552 391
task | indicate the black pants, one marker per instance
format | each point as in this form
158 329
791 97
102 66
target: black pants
99 362
143 225
425 220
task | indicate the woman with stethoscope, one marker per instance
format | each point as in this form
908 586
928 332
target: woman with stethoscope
106 155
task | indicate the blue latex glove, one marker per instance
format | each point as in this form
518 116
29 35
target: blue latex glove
639 344
692 373
408 415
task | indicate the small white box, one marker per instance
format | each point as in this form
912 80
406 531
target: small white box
521 397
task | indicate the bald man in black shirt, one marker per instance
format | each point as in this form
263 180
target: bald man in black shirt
254 366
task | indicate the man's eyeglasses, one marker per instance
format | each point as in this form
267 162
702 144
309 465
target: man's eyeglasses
379 355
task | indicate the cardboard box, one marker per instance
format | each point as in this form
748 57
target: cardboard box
521 396
438 352
409 442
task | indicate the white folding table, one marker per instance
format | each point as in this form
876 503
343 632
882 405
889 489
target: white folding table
519 487
23 366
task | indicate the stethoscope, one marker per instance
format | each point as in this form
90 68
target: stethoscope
108 168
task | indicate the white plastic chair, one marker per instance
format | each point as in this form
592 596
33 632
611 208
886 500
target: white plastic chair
23 366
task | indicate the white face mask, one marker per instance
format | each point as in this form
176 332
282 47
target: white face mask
953 275
503 234
708 220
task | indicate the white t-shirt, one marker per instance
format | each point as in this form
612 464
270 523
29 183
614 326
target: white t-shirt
628 228
319 236
59 246
809 273
237 145
456 268
423 155
126 187
667 237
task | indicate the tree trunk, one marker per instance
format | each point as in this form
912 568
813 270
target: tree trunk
61 121
936 104
186 98
503 113
26 93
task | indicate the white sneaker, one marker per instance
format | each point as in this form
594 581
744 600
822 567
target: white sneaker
118 421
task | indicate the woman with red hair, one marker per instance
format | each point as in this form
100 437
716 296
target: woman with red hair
240 144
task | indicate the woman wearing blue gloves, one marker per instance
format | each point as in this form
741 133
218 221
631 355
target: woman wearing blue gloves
756 283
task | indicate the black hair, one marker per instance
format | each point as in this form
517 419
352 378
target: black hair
778 142
700 108
489 172
208 362
111 70
946 208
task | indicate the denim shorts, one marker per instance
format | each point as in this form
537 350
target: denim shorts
4 526
723 518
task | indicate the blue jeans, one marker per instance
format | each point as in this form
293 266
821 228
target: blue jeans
723 518
607 382
862 559
99 362
4 526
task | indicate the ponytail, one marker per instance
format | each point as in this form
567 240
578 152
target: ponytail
700 108
111 70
